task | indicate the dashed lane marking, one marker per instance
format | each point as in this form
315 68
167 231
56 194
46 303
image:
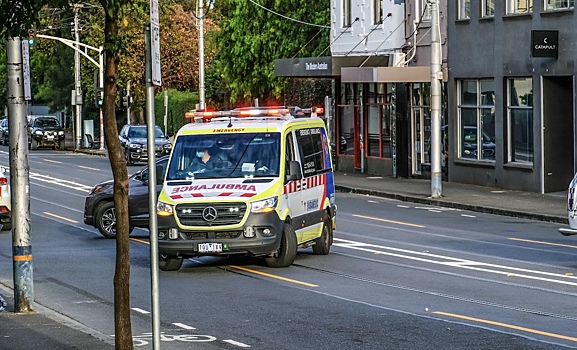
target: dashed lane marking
506 325
389 221
61 217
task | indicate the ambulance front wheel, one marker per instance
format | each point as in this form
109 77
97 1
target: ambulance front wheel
323 244
169 263
287 252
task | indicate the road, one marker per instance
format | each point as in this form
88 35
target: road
399 276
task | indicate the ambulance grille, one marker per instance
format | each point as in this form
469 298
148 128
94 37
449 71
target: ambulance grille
212 214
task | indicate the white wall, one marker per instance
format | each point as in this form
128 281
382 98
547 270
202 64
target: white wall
381 39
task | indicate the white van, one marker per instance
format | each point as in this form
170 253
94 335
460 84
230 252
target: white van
255 181
571 209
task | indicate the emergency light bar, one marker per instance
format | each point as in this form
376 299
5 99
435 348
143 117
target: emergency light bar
247 112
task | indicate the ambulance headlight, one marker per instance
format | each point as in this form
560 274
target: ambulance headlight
264 206
163 209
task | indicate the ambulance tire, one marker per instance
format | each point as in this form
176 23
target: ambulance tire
287 252
33 144
323 244
61 146
169 263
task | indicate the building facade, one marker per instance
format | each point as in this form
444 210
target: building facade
380 63
511 101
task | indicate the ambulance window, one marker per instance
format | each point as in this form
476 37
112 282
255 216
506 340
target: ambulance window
310 144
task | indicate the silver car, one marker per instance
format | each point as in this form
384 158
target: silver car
571 209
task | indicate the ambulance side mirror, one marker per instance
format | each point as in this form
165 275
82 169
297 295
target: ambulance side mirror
294 171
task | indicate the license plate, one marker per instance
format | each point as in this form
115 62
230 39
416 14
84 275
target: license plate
210 247
50 137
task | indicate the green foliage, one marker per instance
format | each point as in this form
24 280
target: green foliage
251 38
178 104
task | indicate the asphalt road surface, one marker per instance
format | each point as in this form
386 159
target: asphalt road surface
399 276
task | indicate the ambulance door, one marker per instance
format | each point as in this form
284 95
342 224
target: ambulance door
315 162
292 193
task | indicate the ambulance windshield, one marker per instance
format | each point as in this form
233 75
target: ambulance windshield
207 156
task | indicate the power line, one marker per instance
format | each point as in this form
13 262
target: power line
342 32
290 19
367 36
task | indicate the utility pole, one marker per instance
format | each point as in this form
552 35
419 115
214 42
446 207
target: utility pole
77 82
19 180
436 78
128 108
200 20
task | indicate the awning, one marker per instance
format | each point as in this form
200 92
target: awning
417 74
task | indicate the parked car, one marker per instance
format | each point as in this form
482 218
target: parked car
99 208
571 209
45 131
5 201
133 139
4 131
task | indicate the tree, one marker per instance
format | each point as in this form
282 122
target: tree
251 38
113 45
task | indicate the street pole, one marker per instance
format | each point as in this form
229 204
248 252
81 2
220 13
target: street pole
201 54
128 107
153 220
78 142
101 80
19 180
436 78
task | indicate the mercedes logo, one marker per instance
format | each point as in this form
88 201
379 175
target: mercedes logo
209 214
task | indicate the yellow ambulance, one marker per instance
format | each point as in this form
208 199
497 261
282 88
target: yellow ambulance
254 181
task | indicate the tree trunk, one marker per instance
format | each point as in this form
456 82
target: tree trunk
122 324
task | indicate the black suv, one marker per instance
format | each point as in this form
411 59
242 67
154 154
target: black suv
133 139
45 131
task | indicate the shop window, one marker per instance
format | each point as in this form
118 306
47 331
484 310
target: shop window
520 120
558 4
464 9
476 110
488 8
347 15
519 6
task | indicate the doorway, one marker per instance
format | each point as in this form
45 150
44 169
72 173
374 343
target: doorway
558 133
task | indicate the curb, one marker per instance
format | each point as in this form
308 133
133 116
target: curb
442 203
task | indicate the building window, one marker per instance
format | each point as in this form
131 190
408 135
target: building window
476 107
558 4
488 9
347 15
520 120
464 9
377 11
519 6
426 11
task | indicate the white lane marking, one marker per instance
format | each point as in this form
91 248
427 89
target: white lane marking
402 206
144 312
468 216
508 271
88 168
60 182
434 211
233 342
372 201
52 161
182 325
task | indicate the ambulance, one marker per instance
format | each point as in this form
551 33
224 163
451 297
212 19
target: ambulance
266 190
